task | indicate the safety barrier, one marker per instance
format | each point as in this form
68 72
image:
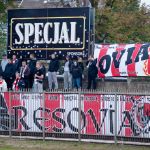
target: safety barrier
77 115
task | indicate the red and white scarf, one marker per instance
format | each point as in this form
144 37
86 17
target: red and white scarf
15 84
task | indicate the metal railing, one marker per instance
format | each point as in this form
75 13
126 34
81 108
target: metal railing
77 115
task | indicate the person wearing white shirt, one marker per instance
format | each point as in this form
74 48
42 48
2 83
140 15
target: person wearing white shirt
67 74
4 62
3 85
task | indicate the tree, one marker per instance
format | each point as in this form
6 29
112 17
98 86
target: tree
3 23
122 21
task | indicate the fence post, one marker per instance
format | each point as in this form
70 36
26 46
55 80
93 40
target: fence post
115 135
79 116
43 115
10 98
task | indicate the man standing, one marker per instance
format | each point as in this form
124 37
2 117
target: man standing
76 75
92 72
4 62
24 75
38 77
9 74
67 73
15 62
52 72
32 67
81 65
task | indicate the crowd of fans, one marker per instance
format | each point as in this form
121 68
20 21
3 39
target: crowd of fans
16 74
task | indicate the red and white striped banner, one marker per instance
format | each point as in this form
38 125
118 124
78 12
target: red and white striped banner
123 60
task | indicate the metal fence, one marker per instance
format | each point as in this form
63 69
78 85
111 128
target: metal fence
98 116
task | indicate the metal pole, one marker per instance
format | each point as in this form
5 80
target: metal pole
10 98
43 114
115 135
20 3
79 116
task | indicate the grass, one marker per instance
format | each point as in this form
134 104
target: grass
17 144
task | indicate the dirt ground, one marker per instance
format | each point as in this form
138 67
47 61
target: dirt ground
19 144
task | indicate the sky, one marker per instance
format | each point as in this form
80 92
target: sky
147 2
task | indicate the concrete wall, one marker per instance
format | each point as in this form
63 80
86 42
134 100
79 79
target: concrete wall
130 85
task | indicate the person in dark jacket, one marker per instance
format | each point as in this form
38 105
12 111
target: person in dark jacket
92 72
24 72
76 75
38 77
52 72
43 69
15 62
1 71
81 65
9 74
32 67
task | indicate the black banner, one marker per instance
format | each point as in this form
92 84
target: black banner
63 31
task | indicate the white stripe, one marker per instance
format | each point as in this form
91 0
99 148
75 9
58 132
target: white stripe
123 67
139 68
112 48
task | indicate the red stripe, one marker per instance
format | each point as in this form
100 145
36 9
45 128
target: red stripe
131 67
102 53
128 107
115 71
148 68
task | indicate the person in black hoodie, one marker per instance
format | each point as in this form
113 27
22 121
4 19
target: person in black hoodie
9 74
92 72
15 62
76 75
1 71
32 67
38 77
81 65
52 72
